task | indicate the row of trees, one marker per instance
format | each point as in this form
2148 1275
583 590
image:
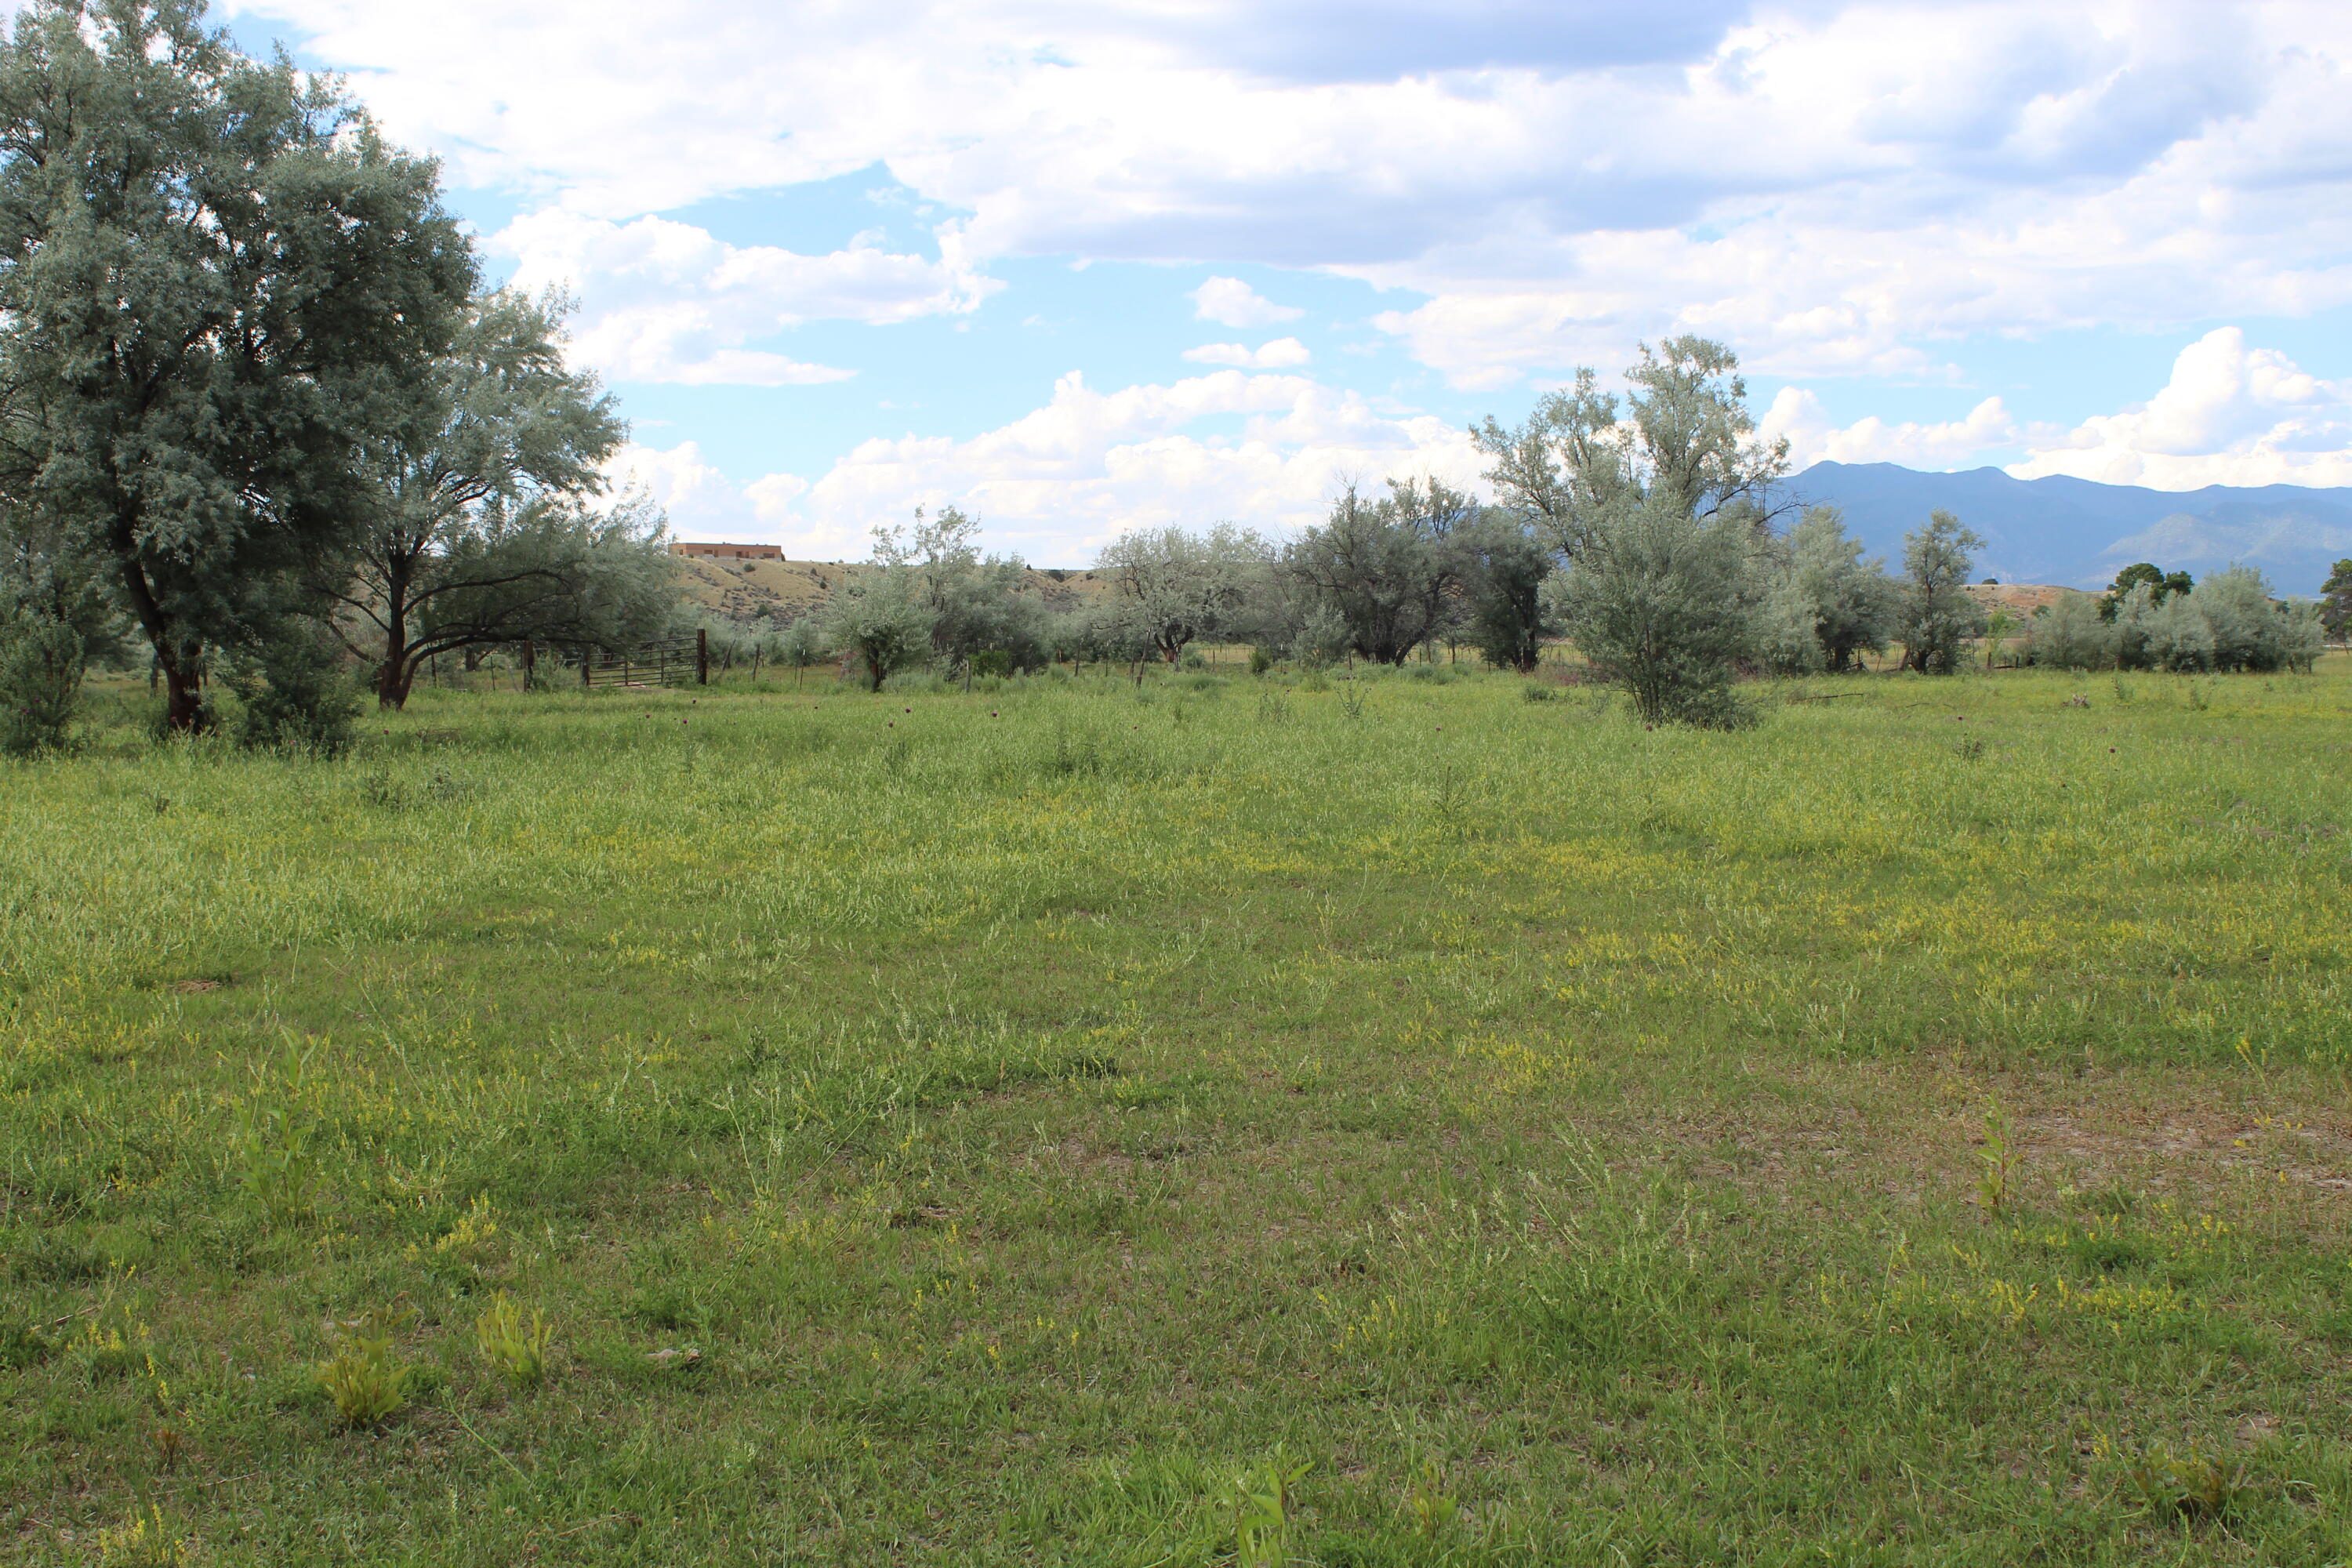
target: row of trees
260 420
259 414
1640 528
1385 577
2152 620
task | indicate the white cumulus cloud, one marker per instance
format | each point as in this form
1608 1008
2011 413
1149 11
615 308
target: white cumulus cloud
700 500
1834 187
1230 302
1057 482
1089 465
1796 413
2231 414
1282 354
667 301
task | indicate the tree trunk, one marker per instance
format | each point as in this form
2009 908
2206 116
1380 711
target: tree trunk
179 661
393 683
183 698
393 676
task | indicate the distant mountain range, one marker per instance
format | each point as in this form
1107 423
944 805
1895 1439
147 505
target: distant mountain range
2078 534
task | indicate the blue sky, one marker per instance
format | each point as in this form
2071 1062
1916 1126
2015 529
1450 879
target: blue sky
1078 268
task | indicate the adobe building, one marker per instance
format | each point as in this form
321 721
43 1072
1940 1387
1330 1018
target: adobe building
729 552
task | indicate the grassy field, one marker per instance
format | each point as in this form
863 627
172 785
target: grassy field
1041 1125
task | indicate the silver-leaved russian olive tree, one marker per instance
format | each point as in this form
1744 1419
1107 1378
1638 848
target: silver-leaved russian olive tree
1171 587
483 520
1937 615
1657 503
1389 570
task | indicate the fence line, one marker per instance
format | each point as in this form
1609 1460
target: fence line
665 662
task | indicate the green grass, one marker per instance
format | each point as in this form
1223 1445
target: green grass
1022 1127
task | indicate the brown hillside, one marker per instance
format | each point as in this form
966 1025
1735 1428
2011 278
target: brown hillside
2020 599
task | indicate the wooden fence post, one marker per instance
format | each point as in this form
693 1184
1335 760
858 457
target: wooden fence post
702 655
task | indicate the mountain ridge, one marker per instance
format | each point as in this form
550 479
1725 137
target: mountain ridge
2079 534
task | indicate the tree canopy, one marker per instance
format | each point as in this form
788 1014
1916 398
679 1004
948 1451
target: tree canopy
215 279
2336 601
1937 615
479 520
1387 569
1173 587
1827 605
1683 437
1657 505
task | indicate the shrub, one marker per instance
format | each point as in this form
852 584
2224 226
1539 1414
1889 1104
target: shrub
2304 636
1323 639
802 643
1658 603
882 619
2242 624
1787 637
40 674
294 694
1261 661
2230 622
2178 636
2070 634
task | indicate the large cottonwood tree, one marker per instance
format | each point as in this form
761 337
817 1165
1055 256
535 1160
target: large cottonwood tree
215 279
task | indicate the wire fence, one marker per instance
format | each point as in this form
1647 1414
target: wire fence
683 660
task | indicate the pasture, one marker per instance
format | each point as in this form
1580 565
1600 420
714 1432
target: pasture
1381 1121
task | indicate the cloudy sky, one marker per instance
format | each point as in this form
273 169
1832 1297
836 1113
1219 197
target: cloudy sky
1077 265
